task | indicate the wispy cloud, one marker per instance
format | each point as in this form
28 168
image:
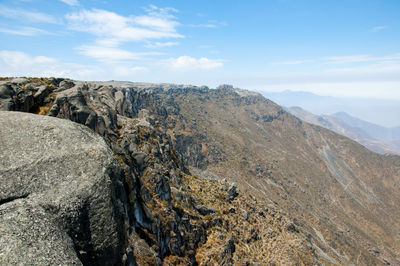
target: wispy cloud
378 28
111 54
113 29
160 44
165 12
27 16
190 63
359 58
383 71
349 74
14 59
209 24
16 63
218 23
70 2
24 31
294 62
343 59
347 59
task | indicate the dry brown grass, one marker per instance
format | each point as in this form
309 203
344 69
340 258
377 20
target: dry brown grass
276 157
261 238
44 110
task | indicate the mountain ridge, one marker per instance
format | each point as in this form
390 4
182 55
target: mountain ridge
376 138
378 111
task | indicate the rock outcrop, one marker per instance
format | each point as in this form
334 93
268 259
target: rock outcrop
63 190
60 192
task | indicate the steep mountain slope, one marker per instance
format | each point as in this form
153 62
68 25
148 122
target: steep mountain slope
325 198
344 195
376 138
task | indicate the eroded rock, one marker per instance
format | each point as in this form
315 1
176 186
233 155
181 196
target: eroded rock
61 193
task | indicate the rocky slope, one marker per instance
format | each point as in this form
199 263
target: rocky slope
124 195
305 195
344 196
376 138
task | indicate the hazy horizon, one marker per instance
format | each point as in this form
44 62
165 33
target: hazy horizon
381 112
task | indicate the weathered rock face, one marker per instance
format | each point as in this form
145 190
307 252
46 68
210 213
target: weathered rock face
20 94
96 210
149 221
60 193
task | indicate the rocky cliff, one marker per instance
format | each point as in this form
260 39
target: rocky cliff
303 194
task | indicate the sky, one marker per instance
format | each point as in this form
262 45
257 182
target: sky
342 48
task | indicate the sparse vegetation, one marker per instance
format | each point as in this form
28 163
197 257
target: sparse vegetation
258 236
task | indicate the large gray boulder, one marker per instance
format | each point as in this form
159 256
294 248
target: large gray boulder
61 194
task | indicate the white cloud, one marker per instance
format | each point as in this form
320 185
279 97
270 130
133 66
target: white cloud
25 15
111 54
113 29
158 23
16 63
378 28
70 2
14 58
24 31
190 63
160 44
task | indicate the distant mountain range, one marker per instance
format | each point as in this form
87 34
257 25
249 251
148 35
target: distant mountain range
376 111
376 138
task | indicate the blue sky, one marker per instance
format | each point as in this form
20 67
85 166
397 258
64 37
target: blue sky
340 48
